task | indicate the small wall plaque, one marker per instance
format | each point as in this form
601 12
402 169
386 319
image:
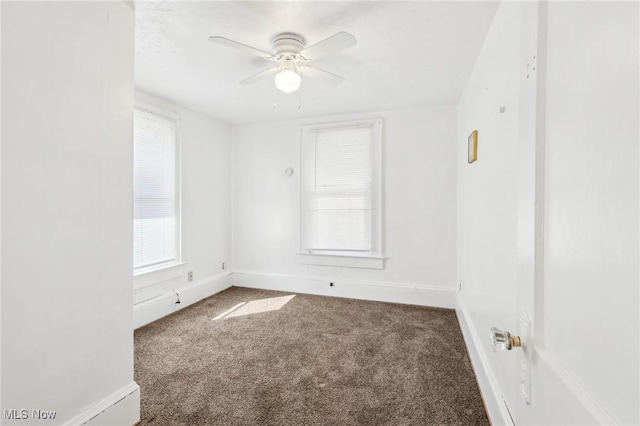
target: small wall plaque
473 146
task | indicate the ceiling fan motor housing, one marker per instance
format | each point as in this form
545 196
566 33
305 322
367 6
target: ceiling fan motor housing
292 57
287 44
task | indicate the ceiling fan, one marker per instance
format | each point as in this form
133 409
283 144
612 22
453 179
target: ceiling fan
292 59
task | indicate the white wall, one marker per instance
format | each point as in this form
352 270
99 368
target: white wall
419 191
67 92
584 353
206 206
487 189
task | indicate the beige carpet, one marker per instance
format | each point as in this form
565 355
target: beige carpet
312 360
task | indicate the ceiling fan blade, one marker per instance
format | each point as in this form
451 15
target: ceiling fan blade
329 45
240 46
259 75
321 75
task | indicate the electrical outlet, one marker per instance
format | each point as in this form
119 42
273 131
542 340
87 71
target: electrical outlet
224 266
190 276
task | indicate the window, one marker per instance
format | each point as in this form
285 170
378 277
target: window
340 192
156 226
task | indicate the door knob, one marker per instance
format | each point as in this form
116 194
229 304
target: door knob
502 340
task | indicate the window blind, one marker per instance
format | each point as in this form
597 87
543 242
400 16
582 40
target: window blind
337 192
155 201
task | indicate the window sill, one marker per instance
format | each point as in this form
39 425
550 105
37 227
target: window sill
367 262
166 273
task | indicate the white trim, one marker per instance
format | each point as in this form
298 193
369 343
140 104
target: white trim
158 276
345 124
154 268
412 294
574 387
370 262
151 310
539 184
489 388
157 110
121 407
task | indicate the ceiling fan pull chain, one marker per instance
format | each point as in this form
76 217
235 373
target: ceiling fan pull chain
275 97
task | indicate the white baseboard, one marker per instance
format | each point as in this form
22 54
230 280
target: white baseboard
441 297
161 306
120 408
491 394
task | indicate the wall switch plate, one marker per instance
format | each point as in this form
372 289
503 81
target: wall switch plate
190 276
224 266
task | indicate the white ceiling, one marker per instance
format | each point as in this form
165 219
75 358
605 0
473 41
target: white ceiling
409 54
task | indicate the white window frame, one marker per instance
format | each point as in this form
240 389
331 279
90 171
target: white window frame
177 262
375 258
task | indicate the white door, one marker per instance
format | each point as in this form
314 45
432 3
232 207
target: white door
578 215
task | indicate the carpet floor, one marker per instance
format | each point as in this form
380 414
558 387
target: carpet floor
258 357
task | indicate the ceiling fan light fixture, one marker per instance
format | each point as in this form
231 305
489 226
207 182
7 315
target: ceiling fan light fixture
288 81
